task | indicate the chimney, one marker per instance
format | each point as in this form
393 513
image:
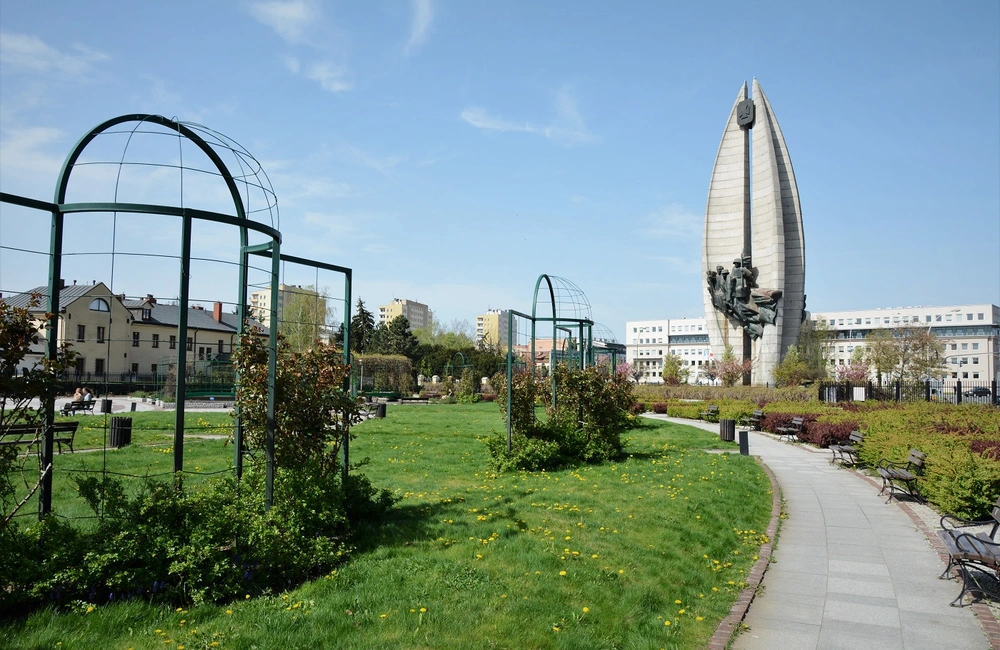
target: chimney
217 312
150 299
62 283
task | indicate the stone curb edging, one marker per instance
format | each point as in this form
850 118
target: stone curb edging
724 633
991 628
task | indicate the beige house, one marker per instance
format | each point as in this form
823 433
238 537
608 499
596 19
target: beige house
118 337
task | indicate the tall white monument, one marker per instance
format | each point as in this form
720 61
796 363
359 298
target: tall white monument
754 249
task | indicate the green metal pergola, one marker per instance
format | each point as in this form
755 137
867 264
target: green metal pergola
252 177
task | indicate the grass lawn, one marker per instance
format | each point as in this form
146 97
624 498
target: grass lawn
649 552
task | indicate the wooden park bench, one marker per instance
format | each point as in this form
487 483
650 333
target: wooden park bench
792 430
972 552
71 408
907 473
848 452
31 434
753 421
711 413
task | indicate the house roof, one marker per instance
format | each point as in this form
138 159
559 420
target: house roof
166 315
202 319
67 296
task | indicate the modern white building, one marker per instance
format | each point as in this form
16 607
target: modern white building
647 342
260 302
970 333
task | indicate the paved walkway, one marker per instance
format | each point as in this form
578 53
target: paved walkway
848 570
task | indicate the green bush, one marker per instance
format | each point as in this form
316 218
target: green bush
593 408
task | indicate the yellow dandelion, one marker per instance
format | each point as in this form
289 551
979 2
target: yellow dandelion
562 573
677 602
423 610
698 618
383 615
586 609
90 608
667 623
229 612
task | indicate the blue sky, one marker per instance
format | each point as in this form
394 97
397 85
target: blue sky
450 152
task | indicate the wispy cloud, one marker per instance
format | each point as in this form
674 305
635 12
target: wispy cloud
301 24
568 126
423 16
671 221
361 158
291 20
26 53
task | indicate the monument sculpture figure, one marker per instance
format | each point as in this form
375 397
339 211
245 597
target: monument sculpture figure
756 305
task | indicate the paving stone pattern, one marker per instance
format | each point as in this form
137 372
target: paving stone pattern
849 570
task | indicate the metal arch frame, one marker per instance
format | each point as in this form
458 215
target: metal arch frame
58 208
584 325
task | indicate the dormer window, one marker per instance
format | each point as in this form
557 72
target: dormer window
147 314
99 304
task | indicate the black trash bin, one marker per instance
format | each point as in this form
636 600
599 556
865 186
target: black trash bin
105 406
727 430
744 442
121 432
380 410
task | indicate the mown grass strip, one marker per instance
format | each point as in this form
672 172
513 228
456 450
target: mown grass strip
648 552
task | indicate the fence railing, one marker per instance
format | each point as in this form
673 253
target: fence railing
955 392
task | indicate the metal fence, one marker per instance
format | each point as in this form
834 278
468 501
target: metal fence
954 392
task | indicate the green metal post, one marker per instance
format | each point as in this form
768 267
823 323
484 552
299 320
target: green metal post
51 352
510 367
241 314
272 372
182 325
349 385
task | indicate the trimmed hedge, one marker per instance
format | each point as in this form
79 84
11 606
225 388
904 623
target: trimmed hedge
962 442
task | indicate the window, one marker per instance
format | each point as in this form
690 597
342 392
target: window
965 346
857 321
841 321
173 342
954 346
968 317
979 316
147 314
156 340
135 368
660 328
190 344
98 304
81 333
965 360
201 353
100 334
634 330
152 368
954 375
220 346
975 375
868 321
886 320
99 367
937 318
947 317
975 361
135 339
975 346
927 319
965 375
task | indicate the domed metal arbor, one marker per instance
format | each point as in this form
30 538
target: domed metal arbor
562 303
183 167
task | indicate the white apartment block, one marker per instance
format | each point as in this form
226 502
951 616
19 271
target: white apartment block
647 342
260 302
492 328
417 313
970 334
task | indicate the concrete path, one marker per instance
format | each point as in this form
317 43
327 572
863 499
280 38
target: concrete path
849 570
